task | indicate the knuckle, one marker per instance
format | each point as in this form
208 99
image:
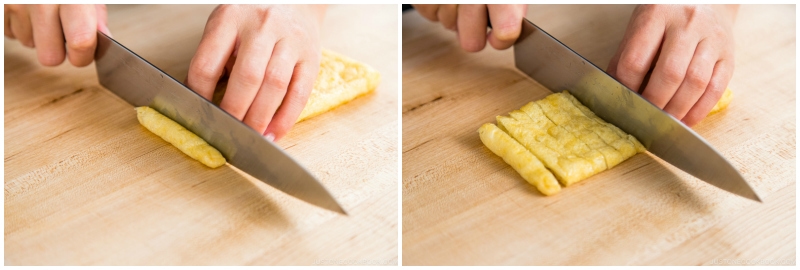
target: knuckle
296 30
716 89
633 63
203 70
249 76
428 11
277 78
266 18
222 10
696 79
14 8
259 123
691 11
41 9
649 8
671 74
300 98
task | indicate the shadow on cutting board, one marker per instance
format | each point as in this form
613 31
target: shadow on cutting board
223 186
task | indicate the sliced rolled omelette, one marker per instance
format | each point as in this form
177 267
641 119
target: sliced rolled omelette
340 80
572 144
525 163
172 132
566 137
563 135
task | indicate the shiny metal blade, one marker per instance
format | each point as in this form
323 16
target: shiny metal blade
141 84
557 67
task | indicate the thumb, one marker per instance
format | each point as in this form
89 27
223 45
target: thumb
102 19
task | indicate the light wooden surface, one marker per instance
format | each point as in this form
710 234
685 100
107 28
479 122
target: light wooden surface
86 184
463 205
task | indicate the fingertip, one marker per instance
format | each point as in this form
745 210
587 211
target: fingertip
508 32
278 129
691 122
104 29
80 62
270 137
51 59
499 44
472 46
102 19
284 119
506 23
694 117
697 113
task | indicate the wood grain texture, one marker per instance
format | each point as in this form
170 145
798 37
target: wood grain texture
462 205
86 184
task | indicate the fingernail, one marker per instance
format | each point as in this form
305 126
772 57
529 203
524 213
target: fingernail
270 137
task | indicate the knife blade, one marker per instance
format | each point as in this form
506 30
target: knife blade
557 67
140 83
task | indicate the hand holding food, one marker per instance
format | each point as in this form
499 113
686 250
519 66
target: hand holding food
272 53
688 48
340 80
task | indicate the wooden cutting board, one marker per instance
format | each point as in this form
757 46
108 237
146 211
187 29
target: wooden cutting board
86 184
463 205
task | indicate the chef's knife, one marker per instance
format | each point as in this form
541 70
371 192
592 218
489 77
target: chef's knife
142 84
557 67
